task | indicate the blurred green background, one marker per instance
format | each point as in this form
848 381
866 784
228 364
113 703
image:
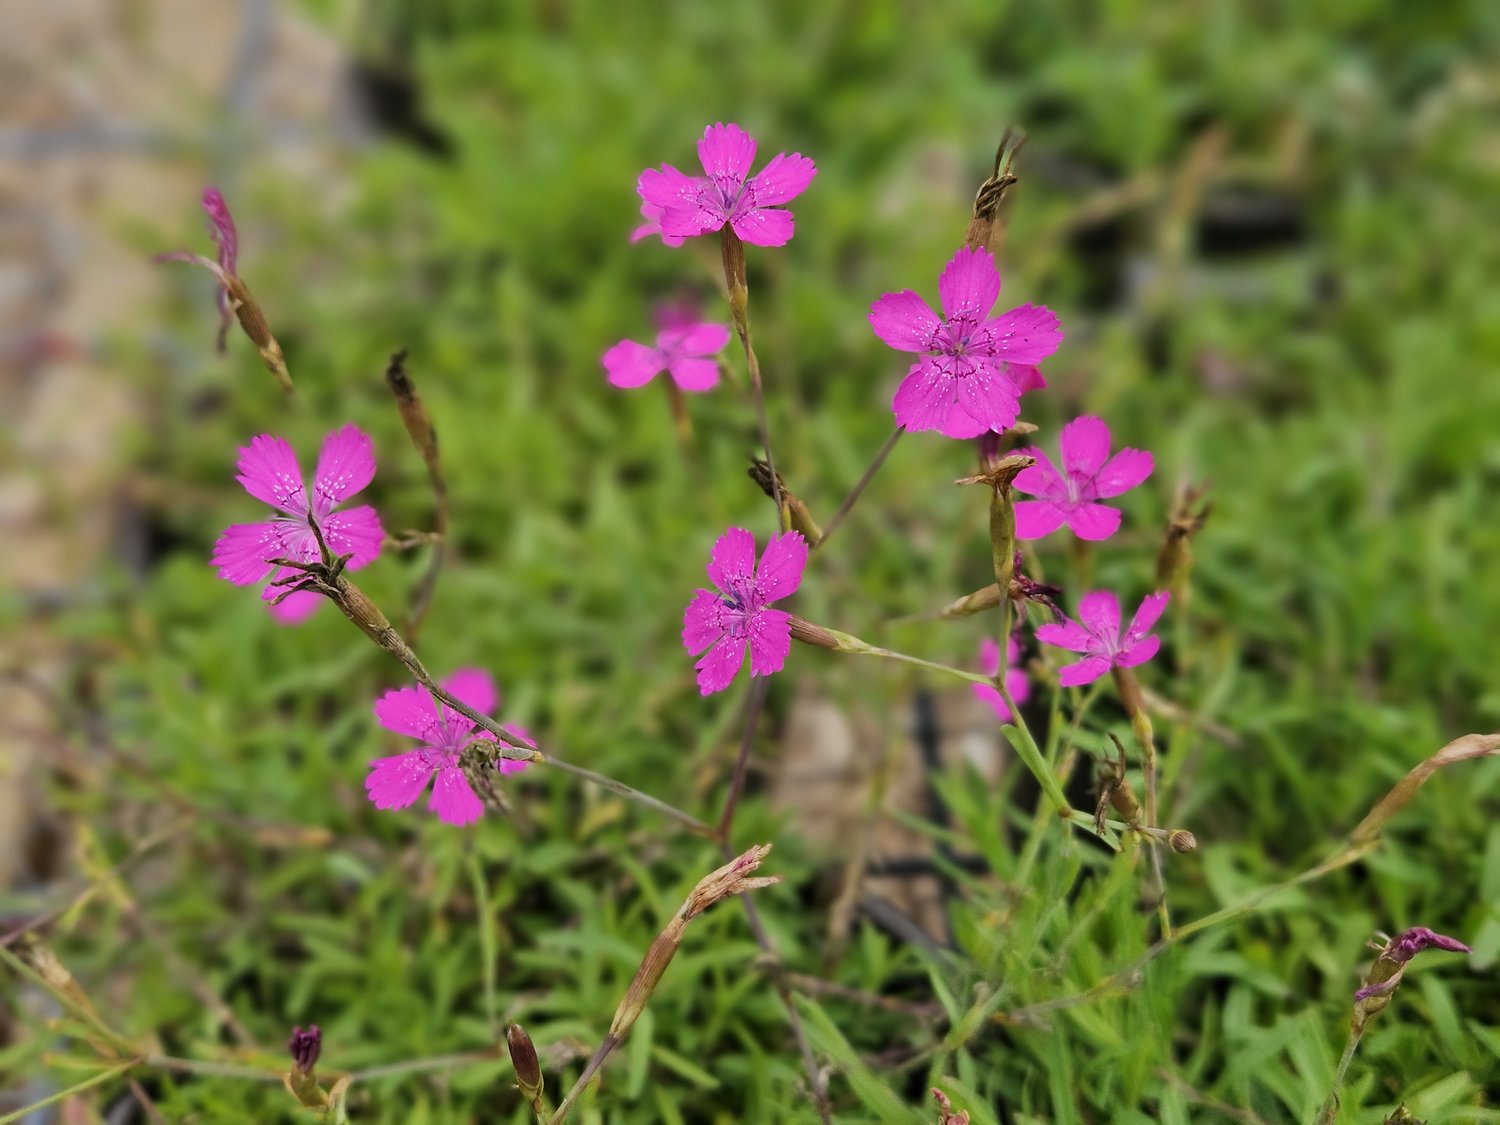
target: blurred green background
1269 233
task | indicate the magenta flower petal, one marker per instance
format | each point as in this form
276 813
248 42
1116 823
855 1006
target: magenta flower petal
718 667
631 364
453 800
785 177
1100 613
241 552
989 657
296 607
702 621
270 473
1065 634
694 374
694 339
674 194
904 321
396 782
474 688
1085 671
1015 677
652 214
990 696
410 711
1085 446
1092 522
1025 335
221 228
1140 652
731 565
355 531
924 400
1147 615
764 227
346 464
1122 472
781 565
770 641
969 285
989 398
1028 377
1036 518
1041 479
726 153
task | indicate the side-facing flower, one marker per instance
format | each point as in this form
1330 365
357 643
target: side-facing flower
1096 633
969 377
693 205
269 472
396 782
683 351
1015 676
651 213
1071 496
221 230
727 620
1385 974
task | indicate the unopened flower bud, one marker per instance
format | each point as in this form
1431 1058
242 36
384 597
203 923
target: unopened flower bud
797 511
1182 841
301 1083
819 637
528 1069
1389 967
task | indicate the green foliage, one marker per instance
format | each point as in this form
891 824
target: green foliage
1339 390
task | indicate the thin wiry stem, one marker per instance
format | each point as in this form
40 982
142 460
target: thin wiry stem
860 486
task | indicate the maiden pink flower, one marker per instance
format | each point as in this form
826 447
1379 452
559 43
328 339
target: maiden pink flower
681 351
269 472
1089 474
1385 974
1097 634
970 377
693 205
1015 676
727 620
396 782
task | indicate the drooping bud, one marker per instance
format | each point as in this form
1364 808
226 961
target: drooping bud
797 511
528 1069
986 232
1174 560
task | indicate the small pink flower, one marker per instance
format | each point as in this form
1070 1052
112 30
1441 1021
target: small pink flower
269 472
1089 475
1398 951
693 205
396 782
1097 633
1015 676
680 351
969 379
724 622
652 214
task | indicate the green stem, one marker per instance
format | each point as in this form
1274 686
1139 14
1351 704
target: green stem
486 940
1330 1110
859 487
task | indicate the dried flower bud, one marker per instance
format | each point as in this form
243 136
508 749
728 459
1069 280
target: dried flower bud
528 1069
946 1114
1182 841
983 232
731 879
797 511
1174 560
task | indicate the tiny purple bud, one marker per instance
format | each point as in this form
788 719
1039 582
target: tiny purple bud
305 1047
1407 945
1385 974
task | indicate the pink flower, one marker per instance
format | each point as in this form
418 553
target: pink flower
221 230
693 205
396 782
680 351
1385 974
1097 633
735 616
1015 676
269 472
652 214
1089 474
969 379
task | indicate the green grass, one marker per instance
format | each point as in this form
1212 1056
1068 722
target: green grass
1340 390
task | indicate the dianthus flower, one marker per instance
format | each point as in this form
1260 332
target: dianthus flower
1097 634
652 214
221 230
683 351
1385 974
269 472
1089 474
970 376
396 782
735 616
693 205
1015 677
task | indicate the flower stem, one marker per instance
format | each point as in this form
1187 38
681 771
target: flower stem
860 486
1135 707
1330 1109
739 308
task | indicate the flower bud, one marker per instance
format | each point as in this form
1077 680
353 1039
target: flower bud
305 1046
1182 841
1390 966
797 511
528 1069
